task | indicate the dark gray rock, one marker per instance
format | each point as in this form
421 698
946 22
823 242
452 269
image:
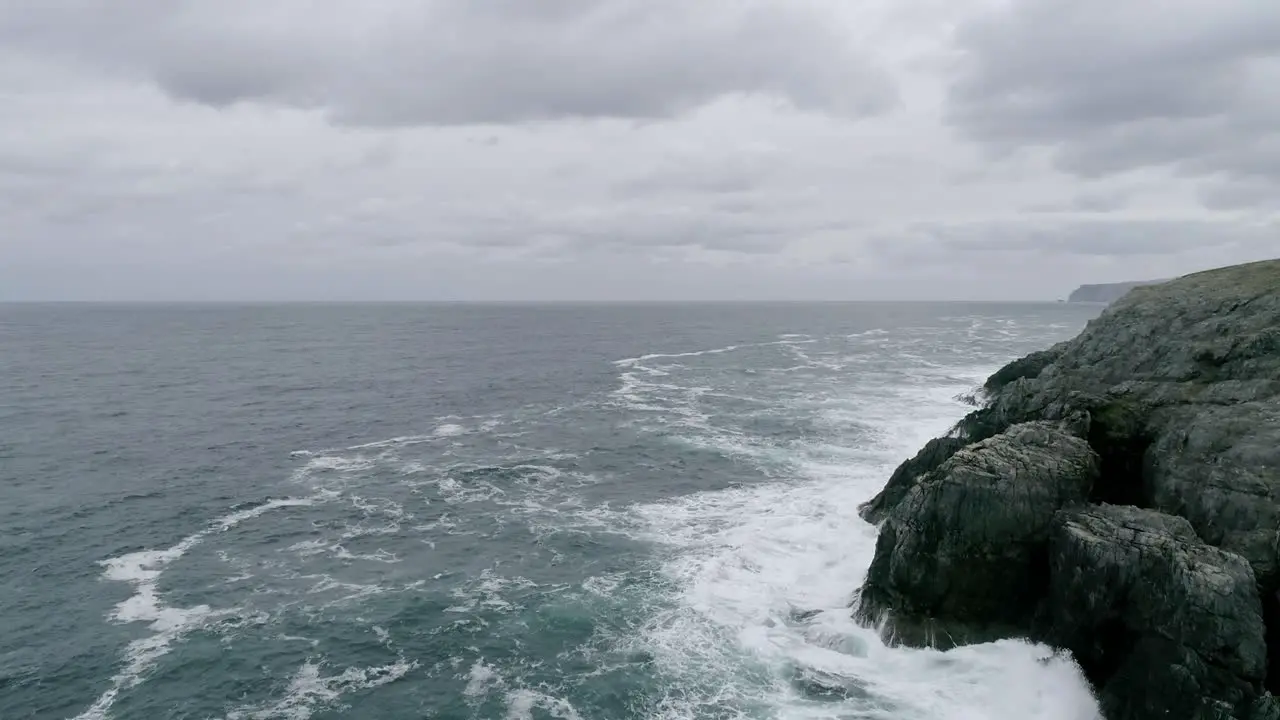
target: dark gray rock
1176 388
1219 466
1182 381
1028 367
962 556
1157 619
1264 708
1182 384
930 457
820 685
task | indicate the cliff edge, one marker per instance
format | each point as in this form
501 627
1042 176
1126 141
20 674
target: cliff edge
1106 293
1117 496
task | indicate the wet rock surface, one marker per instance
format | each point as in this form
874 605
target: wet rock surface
1160 622
1117 495
965 547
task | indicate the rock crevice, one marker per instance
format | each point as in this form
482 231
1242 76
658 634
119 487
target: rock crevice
1117 496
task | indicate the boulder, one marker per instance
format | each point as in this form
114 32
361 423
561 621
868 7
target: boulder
1162 624
963 555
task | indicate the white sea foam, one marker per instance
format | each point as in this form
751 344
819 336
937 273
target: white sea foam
310 691
143 570
395 442
764 574
787 340
335 593
310 548
449 430
484 679
322 464
481 678
378 556
601 585
487 591
632 362
521 704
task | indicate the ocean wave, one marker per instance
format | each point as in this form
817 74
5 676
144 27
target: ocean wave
756 616
764 577
633 361
309 691
143 570
521 704
738 603
487 591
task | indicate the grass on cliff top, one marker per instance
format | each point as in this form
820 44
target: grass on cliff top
1248 280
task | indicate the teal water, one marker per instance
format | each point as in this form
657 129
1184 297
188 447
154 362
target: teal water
472 511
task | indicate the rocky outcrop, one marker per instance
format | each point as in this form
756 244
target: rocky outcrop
1124 484
1028 367
931 457
959 557
1166 625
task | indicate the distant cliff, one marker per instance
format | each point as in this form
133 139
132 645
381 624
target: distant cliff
1106 293
1117 496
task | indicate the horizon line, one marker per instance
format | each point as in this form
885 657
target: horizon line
679 301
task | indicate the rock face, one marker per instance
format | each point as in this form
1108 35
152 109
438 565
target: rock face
1174 626
1117 495
1105 293
963 550
934 454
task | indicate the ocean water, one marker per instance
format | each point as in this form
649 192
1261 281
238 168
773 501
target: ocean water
481 511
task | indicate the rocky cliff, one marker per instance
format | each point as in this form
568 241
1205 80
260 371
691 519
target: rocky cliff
1117 496
1105 293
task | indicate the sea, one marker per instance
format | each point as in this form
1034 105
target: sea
457 511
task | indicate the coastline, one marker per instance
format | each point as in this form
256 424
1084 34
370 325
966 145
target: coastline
1116 496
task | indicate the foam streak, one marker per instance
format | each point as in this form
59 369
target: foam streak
143 570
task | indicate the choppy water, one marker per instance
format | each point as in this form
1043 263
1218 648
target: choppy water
480 511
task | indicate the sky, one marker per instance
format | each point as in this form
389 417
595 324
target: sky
631 149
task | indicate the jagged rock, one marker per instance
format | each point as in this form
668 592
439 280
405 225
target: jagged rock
962 555
1028 367
820 685
1219 466
1158 620
1182 384
1176 388
930 457
938 451
1264 708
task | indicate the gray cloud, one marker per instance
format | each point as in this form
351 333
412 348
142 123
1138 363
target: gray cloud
620 149
700 173
1127 238
447 62
1113 87
1101 202
1087 202
1240 195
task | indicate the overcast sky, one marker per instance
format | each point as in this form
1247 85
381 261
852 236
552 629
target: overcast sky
631 149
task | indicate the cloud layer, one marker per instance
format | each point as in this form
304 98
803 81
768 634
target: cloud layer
1187 85
446 62
630 149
